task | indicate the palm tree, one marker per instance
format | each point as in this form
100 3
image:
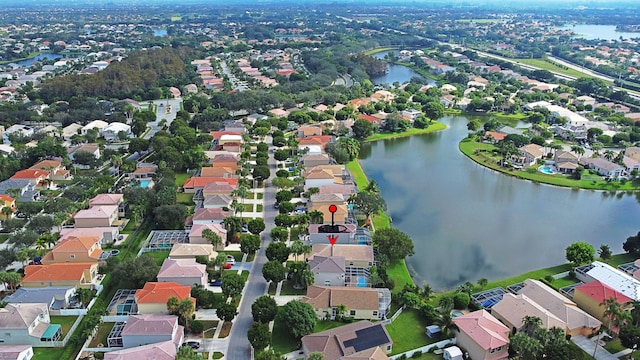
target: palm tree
609 155
578 150
426 292
530 324
116 161
212 237
372 187
446 323
612 311
316 217
483 282
596 147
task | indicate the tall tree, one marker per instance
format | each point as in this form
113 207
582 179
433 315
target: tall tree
264 309
393 243
298 317
259 335
580 253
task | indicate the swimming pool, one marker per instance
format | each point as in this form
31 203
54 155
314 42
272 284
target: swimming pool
145 183
456 313
546 170
361 281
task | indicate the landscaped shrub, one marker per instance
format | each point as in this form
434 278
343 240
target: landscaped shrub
196 326
416 354
549 278
461 300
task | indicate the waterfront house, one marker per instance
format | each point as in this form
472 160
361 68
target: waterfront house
360 303
349 341
311 160
153 297
482 336
565 162
528 155
328 271
591 296
612 277
513 308
604 167
183 271
27 324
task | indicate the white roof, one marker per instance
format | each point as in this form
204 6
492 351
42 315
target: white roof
95 124
615 279
116 127
230 137
6 149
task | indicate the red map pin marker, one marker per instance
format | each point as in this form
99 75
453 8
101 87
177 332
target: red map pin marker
332 239
333 208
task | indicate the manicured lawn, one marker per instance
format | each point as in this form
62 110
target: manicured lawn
397 271
260 196
357 174
259 208
407 332
158 256
236 255
488 159
101 336
272 288
536 274
181 179
565 281
323 325
550 66
184 198
4 238
48 353
619 259
65 321
614 346
287 289
131 226
377 50
435 126
209 324
218 355
281 340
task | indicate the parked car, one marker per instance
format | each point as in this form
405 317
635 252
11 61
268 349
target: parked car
231 260
227 266
215 283
115 252
245 228
192 344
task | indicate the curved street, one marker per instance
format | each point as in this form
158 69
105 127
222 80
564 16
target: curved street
239 347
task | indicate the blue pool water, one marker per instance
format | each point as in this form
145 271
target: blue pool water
361 281
546 170
145 183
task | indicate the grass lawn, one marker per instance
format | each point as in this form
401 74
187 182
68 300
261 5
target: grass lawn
259 208
236 255
48 353
287 289
536 274
4 238
565 281
281 340
614 346
619 259
181 179
65 321
101 336
397 271
130 227
260 196
377 50
435 126
550 66
218 355
184 198
407 332
357 174
488 159
159 256
272 288
209 324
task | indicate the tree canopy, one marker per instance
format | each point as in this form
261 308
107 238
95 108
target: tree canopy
580 253
298 318
393 243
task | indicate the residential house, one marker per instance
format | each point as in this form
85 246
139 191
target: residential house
16 352
217 201
312 142
216 171
37 178
482 336
571 132
360 303
183 271
345 190
107 235
27 324
565 162
591 296
98 125
279 113
494 137
585 100
110 200
165 350
339 217
383 95
196 183
143 173
82 249
96 216
630 164
231 143
145 329
358 259
204 216
90 148
112 131
411 114
217 188
528 155
577 321
16 130
347 236
633 152
328 271
152 298
612 277
195 234
8 202
56 297
56 170
70 130
318 176
512 309
225 161
348 340
234 126
311 160
83 275
309 130
604 167
190 251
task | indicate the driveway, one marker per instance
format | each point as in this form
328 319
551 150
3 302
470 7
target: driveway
588 345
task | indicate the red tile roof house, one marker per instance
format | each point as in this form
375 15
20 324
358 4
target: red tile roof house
209 216
196 183
591 296
56 170
38 178
217 188
107 235
165 350
482 336
183 271
96 216
152 298
110 199
75 249
195 235
146 329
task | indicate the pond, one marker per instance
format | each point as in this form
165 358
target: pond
159 32
469 222
395 73
603 32
39 57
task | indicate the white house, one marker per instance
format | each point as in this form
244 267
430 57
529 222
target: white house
19 130
111 131
95 124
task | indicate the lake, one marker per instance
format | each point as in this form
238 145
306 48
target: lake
159 32
398 73
39 57
604 32
468 222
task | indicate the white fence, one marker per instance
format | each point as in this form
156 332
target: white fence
440 345
114 318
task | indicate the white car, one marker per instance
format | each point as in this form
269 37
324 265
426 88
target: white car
231 260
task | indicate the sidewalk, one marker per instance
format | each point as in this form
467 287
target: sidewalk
589 345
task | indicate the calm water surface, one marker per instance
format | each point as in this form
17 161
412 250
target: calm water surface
397 73
604 32
46 56
468 222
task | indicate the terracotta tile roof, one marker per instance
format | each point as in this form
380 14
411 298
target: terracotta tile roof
226 158
150 324
599 291
6 198
375 353
106 199
56 272
46 165
30 174
210 214
323 297
217 171
76 243
160 292
218 134
484 329
496 135
318 174
165 350
181 268
96 212
219 187
201 181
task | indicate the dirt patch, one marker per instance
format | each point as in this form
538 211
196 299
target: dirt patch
226 329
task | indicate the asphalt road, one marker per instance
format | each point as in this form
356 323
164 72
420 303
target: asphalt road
239 347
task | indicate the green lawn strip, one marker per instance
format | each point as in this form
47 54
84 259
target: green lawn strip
322 325
407 332
49 353
377 50
614 346
65 321
281 340
435 126
209 324
550 66
536 275
357 174
158 256
398 271
259 208
563 282
130 228
619 259
272 288
181 179
487 159
260 196
184 198
101 335
4 238
218 355
287 289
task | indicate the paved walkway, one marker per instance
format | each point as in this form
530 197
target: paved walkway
589 345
